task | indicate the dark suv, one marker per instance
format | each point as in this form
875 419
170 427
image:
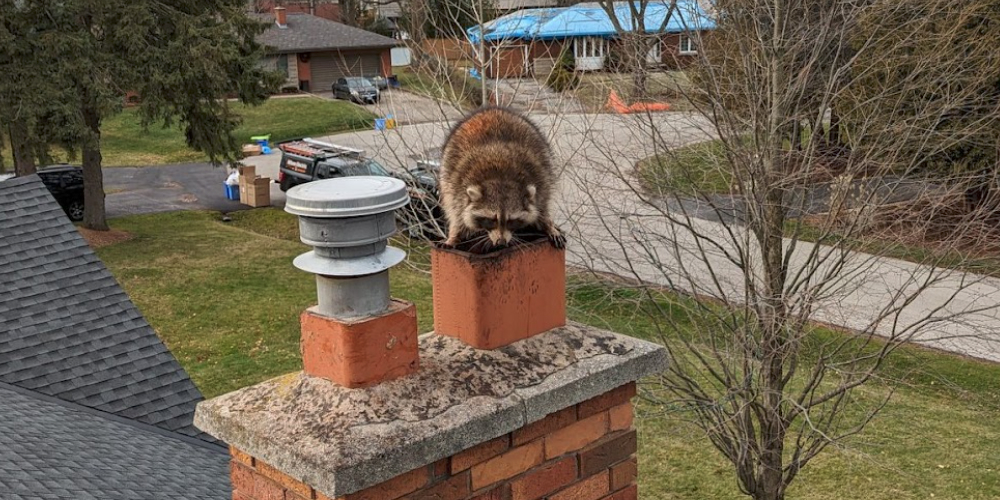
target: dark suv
65 182
356 89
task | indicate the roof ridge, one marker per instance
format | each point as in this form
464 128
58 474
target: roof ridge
218 448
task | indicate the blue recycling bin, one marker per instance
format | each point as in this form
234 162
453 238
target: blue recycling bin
380 124
232 192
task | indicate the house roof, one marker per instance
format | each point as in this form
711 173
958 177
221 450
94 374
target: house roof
308 33
590 19
67 330
53 449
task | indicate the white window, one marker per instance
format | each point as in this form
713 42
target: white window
687 46
589 46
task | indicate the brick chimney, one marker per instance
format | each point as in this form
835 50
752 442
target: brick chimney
280 17
507 410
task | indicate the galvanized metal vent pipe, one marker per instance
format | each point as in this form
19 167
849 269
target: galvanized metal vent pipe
348 222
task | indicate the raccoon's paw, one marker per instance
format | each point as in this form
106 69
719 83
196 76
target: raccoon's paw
557 239
449 243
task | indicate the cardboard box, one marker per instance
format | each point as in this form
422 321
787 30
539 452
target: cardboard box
248 171
252 149
258 192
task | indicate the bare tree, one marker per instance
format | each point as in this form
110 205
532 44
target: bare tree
758 275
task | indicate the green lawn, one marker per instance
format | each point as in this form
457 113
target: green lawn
458 89
226 299
687 170
126 143
666 86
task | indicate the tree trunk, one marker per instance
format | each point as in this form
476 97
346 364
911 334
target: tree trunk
20 147
637 52
774 343
94 216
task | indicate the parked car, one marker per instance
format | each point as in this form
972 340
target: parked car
307 160
65 182
356 89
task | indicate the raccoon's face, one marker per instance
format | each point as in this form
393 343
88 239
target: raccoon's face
500 209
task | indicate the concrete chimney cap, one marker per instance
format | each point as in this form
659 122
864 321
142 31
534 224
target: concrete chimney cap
346 197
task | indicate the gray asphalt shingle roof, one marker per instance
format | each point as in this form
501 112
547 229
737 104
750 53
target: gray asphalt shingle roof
69 331
307 33
50 449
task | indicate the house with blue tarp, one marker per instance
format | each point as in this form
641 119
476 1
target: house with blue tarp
531 40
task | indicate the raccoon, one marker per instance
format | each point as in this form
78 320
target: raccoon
497 179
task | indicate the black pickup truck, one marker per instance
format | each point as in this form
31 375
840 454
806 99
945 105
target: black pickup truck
308 160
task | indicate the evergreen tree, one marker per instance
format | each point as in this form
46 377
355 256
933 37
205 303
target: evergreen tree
182 58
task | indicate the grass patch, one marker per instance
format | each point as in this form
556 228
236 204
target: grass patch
688 170
666 86
457 89
125 143
812 230
226 299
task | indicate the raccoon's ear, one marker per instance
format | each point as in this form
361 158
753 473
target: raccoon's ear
531 192
474 193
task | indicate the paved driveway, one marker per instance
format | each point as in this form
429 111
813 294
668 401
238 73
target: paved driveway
409 108
189 186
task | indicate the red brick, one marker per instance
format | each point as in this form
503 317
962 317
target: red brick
508 465
440 468
490 302
501 492
608 452
479 453
286 481
241 477
624 474
292 496
547 425
361 353
394 488
621 417
592 488
606 401
630 493
241 457
455 488
576 436
240 495
265 489
544 480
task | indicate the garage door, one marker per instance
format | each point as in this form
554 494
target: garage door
328 66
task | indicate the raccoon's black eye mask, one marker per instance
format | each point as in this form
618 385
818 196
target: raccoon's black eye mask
486 223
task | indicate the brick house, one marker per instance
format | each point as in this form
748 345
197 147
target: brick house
530 40
314 52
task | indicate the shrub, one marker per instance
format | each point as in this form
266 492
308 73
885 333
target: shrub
563 76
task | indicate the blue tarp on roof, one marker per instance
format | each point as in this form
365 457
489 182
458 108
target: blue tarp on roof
589 19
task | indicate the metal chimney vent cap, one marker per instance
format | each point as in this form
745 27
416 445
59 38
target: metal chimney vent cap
346 197
347 268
